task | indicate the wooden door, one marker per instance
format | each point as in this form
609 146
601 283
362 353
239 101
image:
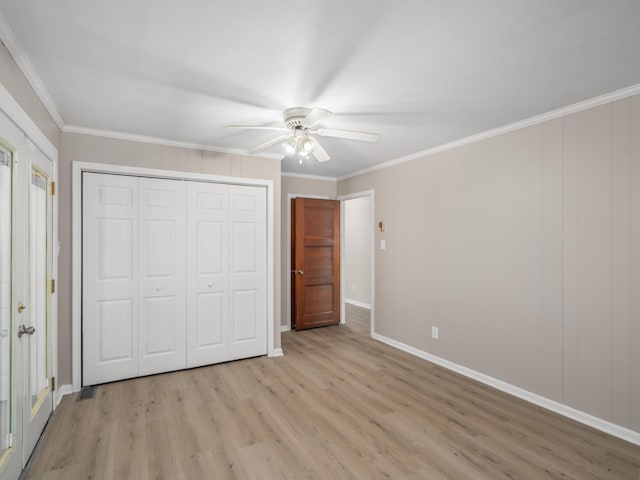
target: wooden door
315 263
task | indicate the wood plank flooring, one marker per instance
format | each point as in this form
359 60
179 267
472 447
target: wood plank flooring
338 405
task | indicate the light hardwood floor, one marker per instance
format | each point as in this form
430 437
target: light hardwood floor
337 405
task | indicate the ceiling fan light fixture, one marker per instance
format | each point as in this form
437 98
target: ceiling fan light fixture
306 146
292 146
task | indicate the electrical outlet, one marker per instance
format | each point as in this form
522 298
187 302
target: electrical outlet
434 332
353 288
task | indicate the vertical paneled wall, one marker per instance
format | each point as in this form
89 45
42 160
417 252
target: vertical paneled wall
88 148
524 249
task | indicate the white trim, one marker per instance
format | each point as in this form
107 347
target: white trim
26 67
14 111
288 251
309 177
78 168
277 352
357 303
61 392
285 328
343 299
553 114
564 410
132 137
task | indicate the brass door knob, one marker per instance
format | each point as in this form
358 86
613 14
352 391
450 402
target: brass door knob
21 307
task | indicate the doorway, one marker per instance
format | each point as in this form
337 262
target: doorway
315 263
358 253
27 312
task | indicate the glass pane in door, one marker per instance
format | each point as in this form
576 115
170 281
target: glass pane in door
5 301
38 278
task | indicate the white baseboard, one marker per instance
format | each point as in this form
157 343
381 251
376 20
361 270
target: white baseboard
569 412
61 392
285 328
277 352
357 303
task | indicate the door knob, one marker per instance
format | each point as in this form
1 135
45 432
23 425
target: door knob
28 330
21 307
300 272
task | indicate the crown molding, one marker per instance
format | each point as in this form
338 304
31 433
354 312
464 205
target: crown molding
553 114
165 142
309 177
26 67
16 113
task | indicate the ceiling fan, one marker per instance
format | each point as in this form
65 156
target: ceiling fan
301 123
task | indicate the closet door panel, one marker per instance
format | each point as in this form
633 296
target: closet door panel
162 318
247 276
110 278
207 273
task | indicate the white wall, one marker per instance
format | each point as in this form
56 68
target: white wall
357 250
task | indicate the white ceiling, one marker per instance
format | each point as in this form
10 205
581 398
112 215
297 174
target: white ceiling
420 73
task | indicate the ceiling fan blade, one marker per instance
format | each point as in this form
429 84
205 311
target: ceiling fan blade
254 127
315 116
320 153
270 143
348 134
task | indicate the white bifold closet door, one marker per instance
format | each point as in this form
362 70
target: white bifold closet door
110 278
226 271
161 251
174 275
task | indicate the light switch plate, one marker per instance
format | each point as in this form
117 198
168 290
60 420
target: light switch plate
434 332
383 246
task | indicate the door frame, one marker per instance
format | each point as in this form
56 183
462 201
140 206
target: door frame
343 199
287 273
78 168
34 135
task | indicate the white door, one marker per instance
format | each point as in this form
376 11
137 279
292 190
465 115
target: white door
207 273
36 342
11 448
247 271
26 398
174 275
162 308
109 278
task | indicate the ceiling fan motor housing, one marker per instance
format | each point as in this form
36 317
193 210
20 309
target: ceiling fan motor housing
294 117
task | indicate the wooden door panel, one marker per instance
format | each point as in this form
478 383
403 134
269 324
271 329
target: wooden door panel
316 263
